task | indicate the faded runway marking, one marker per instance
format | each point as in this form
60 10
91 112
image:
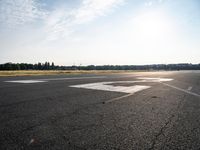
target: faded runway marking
155 79
185 91
117 98
53 79
189 88
26 81
106 86
74 78
131 90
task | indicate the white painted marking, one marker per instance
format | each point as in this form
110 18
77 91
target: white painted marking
177 88
126 76
32 141
118 98
105 86
155 79
73 78
143 80
54 79
189 88
26 81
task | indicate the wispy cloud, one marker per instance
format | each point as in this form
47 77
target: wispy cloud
17 12
62 22
91 9
152 2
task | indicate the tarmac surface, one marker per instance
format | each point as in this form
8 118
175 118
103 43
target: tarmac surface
142 110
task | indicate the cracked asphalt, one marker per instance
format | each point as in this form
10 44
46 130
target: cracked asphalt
52 115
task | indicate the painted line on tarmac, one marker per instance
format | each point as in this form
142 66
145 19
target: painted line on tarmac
156 79
189 88
129 90
126 76
118 98
26 81
107 86
73 78
185 91
53 79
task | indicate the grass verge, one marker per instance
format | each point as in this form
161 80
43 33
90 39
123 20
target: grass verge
57 72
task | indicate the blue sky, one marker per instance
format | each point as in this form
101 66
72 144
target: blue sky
100 31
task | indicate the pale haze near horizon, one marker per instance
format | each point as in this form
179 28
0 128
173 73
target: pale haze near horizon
100 32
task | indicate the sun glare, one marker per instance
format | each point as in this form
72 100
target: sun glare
153 25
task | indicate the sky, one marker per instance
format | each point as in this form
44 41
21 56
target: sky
100 32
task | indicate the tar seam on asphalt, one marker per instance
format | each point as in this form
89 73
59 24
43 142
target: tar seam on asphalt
162 130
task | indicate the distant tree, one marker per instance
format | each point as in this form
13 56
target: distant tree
48 65
18 67
8 66
39 66
52 65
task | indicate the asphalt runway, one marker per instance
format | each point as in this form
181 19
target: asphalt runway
152 110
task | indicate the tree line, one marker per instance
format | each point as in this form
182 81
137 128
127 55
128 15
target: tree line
52 66
27 66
